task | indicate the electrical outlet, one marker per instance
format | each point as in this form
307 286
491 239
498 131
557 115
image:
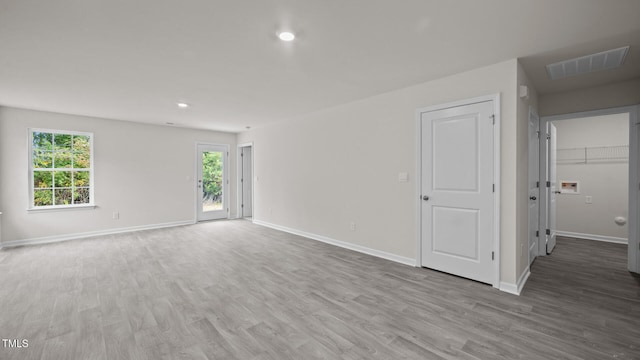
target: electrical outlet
352 226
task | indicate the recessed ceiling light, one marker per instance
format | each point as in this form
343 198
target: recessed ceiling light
247 127
169 123
286 36
183 105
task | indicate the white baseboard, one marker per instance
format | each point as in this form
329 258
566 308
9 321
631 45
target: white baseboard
58 238
516 289
610 239
342 244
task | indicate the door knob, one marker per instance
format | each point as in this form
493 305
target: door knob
425 198
532 198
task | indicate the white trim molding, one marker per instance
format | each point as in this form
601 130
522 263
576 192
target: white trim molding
66 237
226 187
361 249
516 289
611 239
31 206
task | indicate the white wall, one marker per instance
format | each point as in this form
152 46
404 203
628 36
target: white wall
522 199
605 182
320 172
594 98
145 172
316 174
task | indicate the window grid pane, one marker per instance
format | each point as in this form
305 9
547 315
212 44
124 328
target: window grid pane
42 159
42 179
43 197
81 195
62 196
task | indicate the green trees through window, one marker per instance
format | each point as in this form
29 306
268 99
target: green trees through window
212 180
61 168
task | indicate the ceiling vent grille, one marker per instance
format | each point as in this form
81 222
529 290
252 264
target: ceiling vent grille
605 60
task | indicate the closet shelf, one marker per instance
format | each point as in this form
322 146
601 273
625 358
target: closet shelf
592 155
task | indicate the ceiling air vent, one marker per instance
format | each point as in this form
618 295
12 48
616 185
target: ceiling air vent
605 60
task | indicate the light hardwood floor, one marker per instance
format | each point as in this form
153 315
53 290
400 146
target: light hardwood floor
234 290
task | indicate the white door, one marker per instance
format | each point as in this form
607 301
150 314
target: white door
246 183
552 188
212 201
633 247
457 191
534 184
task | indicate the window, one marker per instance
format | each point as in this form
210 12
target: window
61 169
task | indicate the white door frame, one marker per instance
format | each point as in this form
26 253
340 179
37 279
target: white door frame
239 177
534 114
551 191
496 176
634 174
225 176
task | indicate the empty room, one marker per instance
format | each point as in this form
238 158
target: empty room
288 179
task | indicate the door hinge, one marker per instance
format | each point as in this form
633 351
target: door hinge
494 187
242 205
493 119
537 184
241 180
548 183
538 134
548 136
537 233
493 255
241 154
548 232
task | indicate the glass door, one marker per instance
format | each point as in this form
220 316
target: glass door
212 182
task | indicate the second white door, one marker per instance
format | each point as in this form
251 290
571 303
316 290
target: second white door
458 191
246 183
552 187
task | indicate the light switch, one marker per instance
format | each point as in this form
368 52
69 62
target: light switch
588 199
403 177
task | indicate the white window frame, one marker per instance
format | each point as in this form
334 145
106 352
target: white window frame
31 206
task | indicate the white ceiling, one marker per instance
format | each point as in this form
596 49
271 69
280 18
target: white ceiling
134 59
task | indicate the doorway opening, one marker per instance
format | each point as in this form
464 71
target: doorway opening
245 181
212 195
590 169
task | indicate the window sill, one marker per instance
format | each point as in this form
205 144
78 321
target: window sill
61 208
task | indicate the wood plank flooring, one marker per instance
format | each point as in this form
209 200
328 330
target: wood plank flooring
234 290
